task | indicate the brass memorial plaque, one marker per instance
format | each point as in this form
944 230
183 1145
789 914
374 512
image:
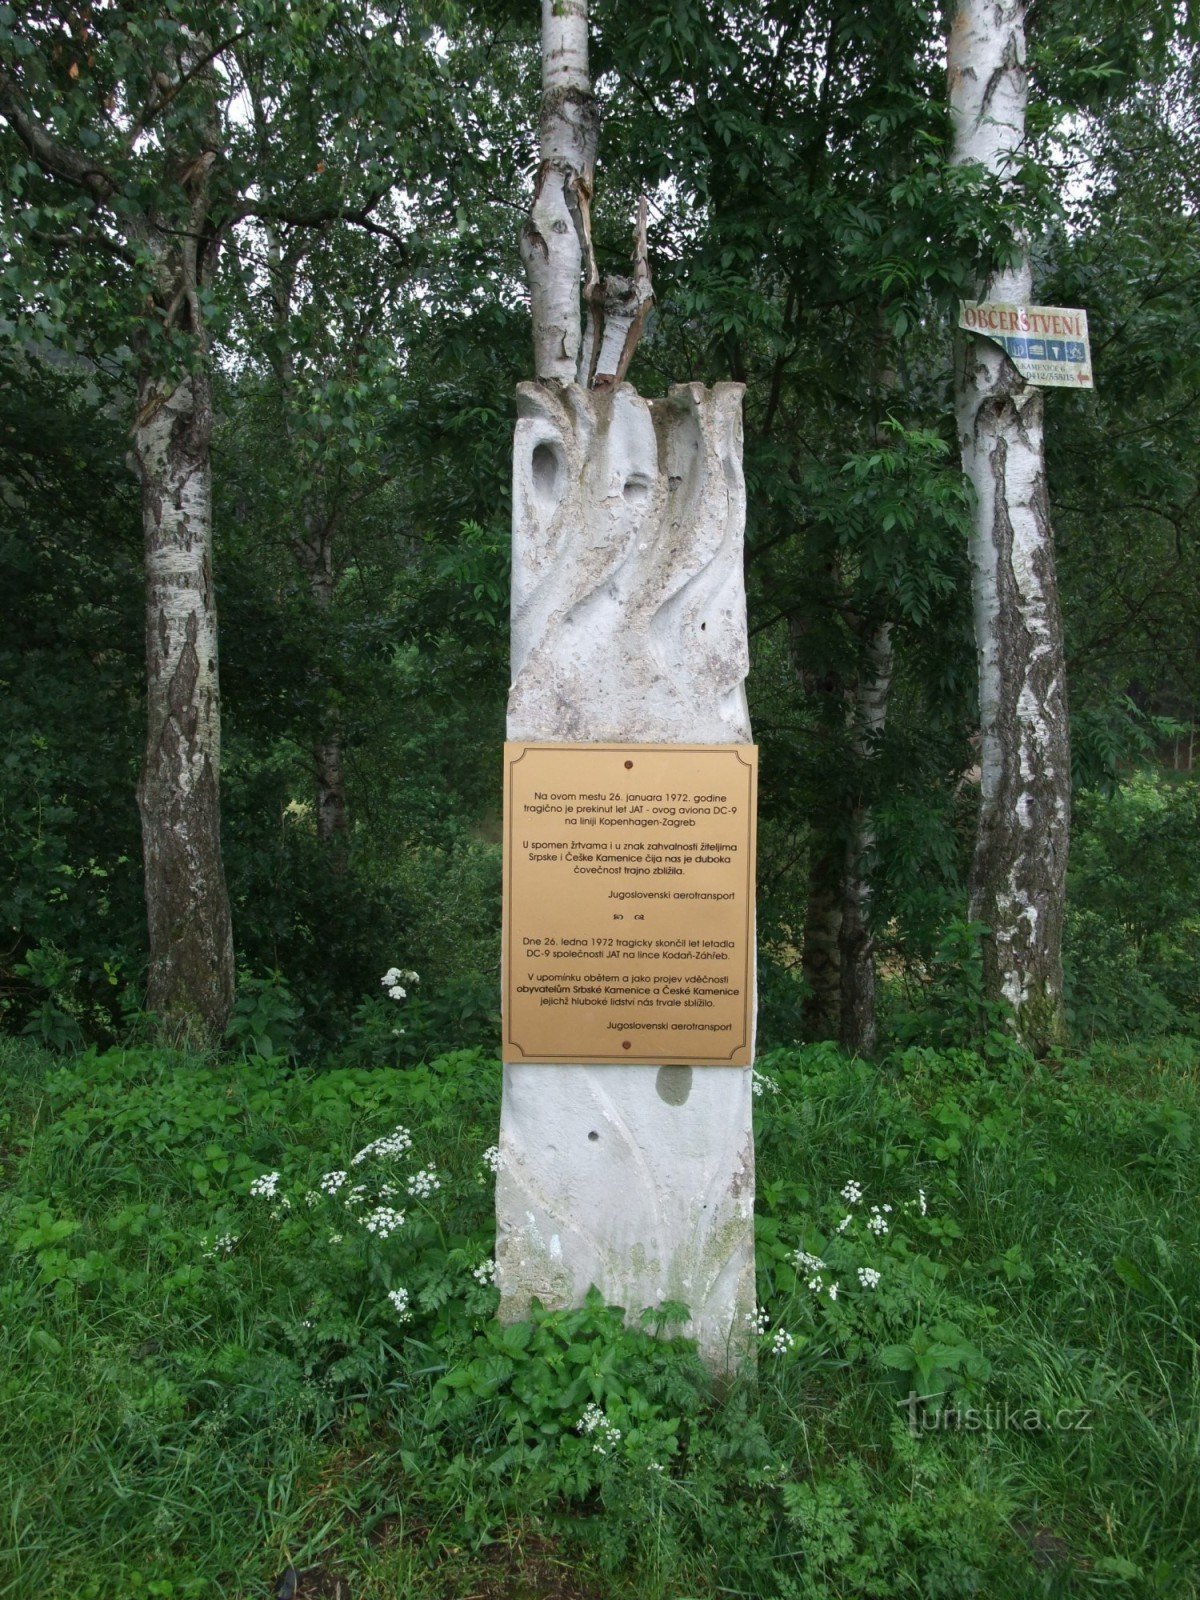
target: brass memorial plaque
629 903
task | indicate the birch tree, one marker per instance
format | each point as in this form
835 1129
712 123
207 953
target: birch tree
1018 874
130 170
161 113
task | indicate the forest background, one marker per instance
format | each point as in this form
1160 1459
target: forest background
365 324
202 1389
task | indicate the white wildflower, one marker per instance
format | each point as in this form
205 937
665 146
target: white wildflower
921 1200
761 1084
868 1277
222 1245
877 1222
389 1144
594 1422
266 1185
832 1291
336 1238
354 1196
756 1320
394 980
485 1272
424 1183
333 1181
492 1159
781 1342
816 1283
312 1198
803 1259
383 1221
281 1208
399 1299
844 1223
852 1193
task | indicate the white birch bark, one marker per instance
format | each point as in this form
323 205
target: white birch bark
556 240
190 980
1019 868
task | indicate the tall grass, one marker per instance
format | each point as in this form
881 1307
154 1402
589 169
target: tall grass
188 1416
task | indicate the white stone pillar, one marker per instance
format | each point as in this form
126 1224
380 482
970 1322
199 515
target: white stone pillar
629 625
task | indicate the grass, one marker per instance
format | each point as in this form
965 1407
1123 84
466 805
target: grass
183 1417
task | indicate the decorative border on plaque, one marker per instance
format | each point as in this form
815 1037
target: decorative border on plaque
588 833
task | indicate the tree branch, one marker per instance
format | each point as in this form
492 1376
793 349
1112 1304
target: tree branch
55 158
155 108
360 216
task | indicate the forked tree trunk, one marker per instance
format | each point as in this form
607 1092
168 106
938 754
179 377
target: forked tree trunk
856 939
1018 874
190 982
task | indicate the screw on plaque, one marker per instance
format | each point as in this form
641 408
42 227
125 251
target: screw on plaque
628 764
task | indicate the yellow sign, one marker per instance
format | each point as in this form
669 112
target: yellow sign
629 903
1048 345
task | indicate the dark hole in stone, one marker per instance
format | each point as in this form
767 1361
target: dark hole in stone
593 1136
547 470
628 764
636 490
703 625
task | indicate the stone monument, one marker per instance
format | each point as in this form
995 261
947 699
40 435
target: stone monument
628 625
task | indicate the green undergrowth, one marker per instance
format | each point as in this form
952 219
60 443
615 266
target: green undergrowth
248 1326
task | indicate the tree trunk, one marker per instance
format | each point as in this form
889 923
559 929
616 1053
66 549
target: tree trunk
556 239
191 976
316 556
820 958
856 941
313 549
1018 873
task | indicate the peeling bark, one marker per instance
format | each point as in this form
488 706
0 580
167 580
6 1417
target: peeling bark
617 312
557 238
190 981
1018 875
556 241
